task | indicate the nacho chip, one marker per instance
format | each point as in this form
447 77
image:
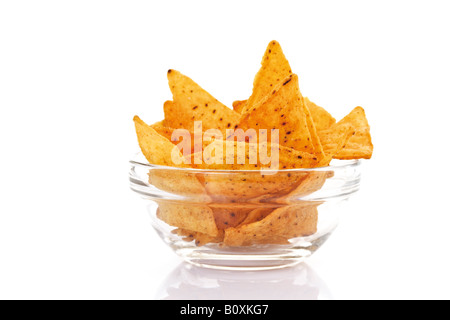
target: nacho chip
239 105
359 146
335 138
322 119
312 183
241 187
318 150
200 239
195 217
192 103
229 215
168 133
182 183
274 68
284 110
233 155
283 223
157 149
257 215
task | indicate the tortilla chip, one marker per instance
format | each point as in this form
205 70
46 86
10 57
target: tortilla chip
195 217
274 68
284 110
244 186
239 105
283 223
229 215
200 239
318 150
335 138
322 119
157 149
235 155
168 133
181 183
257 215
359 146
313 182
192 103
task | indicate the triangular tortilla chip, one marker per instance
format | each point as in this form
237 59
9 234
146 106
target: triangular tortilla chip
283 223
192 103
318 150
167 132
181 183
236 156
274 68
239 105
322 119
244 186
336 137
157 149
195 217
283 110
359 146
200 239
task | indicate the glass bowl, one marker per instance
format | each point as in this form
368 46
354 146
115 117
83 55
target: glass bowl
244 219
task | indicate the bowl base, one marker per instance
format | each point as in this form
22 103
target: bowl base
262 257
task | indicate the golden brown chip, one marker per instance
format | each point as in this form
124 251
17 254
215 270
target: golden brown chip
318 149
283 223
192 103
359 146
229 215
322 119
244 186
181 183
239 105
274 68
335 138
257 215
195 217
284 110
168 133
157 149
200 239
233 155
313 182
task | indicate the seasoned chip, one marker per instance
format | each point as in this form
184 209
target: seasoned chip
192 103
274 68
171 134
257 215
239 105
322 119
156 148
200 239
244 186
233 155
318 150
336 137
229 215
284 110
182 183
195 217
359 146
313 182
283 223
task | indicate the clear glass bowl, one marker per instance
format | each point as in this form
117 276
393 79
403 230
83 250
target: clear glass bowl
244 219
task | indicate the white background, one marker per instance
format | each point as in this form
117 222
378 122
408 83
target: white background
74 73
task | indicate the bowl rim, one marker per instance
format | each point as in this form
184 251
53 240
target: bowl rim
338 165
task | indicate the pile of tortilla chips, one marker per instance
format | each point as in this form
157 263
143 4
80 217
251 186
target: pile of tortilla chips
233 208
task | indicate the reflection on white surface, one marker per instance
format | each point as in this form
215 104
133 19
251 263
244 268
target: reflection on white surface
195 283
